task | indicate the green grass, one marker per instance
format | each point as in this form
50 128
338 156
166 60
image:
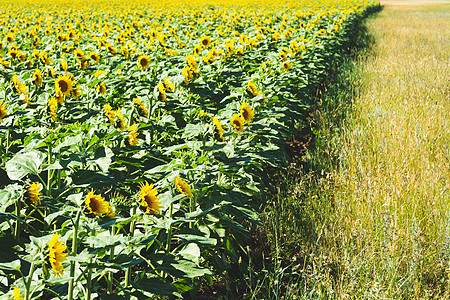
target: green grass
365 214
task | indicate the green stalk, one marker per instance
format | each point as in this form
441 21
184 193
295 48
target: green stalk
74 252
17 228
169 232
110 275
87 296
49 161
132 228
28 284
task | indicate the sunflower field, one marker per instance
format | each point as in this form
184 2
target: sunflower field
136 136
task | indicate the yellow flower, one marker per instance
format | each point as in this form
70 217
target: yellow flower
238 123
203 113
52 107
183 187
37 77
99 73
64 65
101 88
286 66
64 85
247 112
142 109
252 89
205 41
16 294
33 193
56 255
149 199
3 112
95 56
96 204
109 113
132 135
218 131
169 86
79 54
143 61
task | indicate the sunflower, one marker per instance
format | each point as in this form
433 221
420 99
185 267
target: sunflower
132 135
64 85
120 122
252 89
16 294
52 107
101 88
247 112
51 72
110 114
95 57
205 41
37 77
96 204
238 123
64 65
149 199
79 54
169 86
286 66
143 61
183 186
33 193
99 73
56 255
218 131
3 112
322 31
141 107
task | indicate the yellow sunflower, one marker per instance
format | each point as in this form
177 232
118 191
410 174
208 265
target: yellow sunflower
205 41
52 107
37 77
64 85
247 112
149 199
218 131
101 88
143 61
238 123
286 66
132 135
16 294
56 255
95 57
141 107
3 112
183 186
33 193
96 204
64 65
252 89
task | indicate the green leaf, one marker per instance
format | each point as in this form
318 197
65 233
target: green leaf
155 285
12 266
23 164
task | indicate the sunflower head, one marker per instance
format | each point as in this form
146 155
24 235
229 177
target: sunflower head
64 85
218 129
57 255
286 66
101 88
33 193
143 61
96 204
238 123
37 77
205 41
183 187
3 111
149 198
247 112
132 135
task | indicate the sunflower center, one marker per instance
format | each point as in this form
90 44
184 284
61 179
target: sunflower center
205 42
63 86
144 62
245 114
94 205
236 123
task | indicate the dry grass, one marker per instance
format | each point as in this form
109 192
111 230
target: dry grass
393 194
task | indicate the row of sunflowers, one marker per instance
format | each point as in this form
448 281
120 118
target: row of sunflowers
135 137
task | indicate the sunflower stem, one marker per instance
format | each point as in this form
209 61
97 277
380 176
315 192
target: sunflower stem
169 232
111 256
87 296
49 157
28 284
17 228
132 227
74 252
